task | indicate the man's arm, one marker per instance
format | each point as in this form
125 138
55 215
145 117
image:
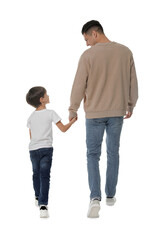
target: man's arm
79 87
133 94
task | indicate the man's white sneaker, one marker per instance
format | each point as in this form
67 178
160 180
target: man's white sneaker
110 201
94 208
44 211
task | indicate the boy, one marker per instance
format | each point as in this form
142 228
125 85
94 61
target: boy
40 147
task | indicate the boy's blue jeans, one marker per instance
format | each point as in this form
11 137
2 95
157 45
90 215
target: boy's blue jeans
94 136
41 163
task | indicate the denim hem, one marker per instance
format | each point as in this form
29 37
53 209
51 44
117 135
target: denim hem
45 204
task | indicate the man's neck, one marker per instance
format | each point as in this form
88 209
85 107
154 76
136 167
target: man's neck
103 39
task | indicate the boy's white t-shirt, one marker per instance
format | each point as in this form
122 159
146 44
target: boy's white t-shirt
40 124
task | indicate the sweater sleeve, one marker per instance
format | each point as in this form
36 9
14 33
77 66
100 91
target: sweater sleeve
79 86
133 90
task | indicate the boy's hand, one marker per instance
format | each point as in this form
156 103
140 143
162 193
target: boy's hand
73 120
70 118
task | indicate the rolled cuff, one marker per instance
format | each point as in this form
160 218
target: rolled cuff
72 114
130 109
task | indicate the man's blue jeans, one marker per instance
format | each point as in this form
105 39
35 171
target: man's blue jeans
41 163
94 136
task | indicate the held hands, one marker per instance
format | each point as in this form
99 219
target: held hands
72 120
63 127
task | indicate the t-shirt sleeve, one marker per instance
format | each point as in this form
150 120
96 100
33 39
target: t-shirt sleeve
28 123
55 117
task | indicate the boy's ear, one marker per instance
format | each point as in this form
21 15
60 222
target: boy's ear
41 99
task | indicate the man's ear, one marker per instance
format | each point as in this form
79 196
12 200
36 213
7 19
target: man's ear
94 33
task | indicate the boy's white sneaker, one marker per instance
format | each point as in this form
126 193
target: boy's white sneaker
36 202
110 201
44 211
94 208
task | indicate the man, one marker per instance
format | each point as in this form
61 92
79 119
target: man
106 79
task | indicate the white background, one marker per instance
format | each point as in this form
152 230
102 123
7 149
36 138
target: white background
40 44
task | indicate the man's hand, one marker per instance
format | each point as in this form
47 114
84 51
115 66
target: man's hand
128 115
73 120
70 119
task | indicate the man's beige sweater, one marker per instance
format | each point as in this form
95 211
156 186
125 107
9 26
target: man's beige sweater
106 79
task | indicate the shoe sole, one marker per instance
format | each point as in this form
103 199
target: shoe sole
44 214
110 203
93 213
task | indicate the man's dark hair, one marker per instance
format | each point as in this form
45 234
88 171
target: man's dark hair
92 25
33 96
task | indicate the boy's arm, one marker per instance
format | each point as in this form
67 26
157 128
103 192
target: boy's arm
63 127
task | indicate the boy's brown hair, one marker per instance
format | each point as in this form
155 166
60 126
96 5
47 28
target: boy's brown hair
33 96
